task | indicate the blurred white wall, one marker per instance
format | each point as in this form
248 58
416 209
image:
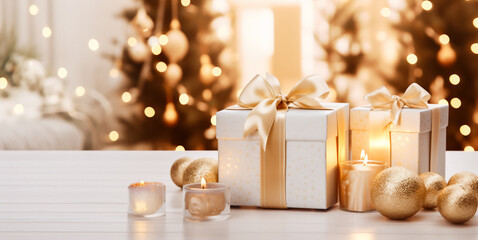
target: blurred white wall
73 23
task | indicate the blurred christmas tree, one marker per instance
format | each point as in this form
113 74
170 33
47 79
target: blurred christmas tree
398 42
180 70
443 59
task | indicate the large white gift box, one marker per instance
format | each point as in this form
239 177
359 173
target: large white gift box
417 142
314 140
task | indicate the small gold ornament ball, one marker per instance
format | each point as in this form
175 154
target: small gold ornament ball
434 183
177 170
200 168
398 193
457 204
467 179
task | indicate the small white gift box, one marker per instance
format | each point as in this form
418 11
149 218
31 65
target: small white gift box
416 141
311 156
280 151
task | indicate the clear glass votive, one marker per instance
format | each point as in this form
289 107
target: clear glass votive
356 177
147 199
208 203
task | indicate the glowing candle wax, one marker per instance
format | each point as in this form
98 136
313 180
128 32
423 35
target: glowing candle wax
356 178
147 199
206 201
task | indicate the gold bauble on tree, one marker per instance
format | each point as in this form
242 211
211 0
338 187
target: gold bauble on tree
398 193
446 56
434 183
457 204
205 72
173 74
467 179
177 170
177 45
200 168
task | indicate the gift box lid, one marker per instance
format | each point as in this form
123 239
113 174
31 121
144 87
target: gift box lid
411 119
301 124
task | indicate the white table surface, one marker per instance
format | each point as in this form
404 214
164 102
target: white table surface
83 195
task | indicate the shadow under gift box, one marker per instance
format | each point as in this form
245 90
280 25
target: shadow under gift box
311 169
410 140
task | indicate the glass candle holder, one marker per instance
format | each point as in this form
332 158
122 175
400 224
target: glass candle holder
147 199
356 177
211 202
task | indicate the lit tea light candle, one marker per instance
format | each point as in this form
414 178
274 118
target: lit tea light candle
356 178
147 199
206 201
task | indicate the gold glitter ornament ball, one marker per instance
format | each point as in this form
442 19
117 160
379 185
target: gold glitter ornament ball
434 183
467 179
177 170
398 193
200 168
457 204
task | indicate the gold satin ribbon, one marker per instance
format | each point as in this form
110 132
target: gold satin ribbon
269 106
379 124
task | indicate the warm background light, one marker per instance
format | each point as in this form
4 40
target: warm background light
444 39
180 148
183 99
412 58
93 44
149 112
427 5
62 72
443 102
454 79
455 102
465 130
474 48
161 67
469 149
385 12
185 3
126 97
132 41
3 83
33 9
213 120
163 39
114 136
80 91
46 32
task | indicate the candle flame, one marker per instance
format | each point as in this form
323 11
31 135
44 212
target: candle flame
203 183
141 183
365 160
362 155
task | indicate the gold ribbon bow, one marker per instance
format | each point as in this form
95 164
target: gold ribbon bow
414 97
379 124
269 108
264 97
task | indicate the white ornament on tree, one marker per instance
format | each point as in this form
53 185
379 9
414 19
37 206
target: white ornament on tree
173 74
138 52
177 46
143 23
